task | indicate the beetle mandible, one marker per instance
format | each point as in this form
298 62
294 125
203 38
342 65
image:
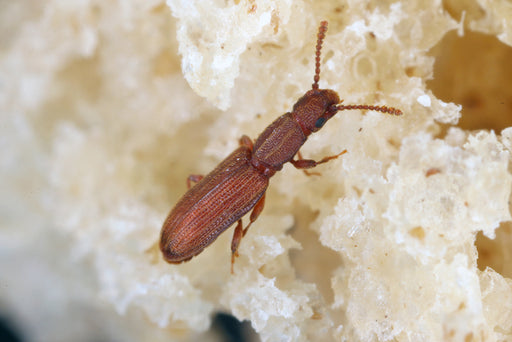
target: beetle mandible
239 182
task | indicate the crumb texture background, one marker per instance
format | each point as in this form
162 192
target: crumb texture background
107 106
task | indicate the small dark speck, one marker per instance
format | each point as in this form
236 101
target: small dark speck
432 171
360 129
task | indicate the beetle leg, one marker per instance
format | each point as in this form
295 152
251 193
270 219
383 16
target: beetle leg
237 237
256 211
240 233
246 141
193 178
303 164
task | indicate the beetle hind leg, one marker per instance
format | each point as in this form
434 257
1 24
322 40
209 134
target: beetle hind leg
237 237
240 232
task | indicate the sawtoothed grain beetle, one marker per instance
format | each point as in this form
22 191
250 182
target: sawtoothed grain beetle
239 182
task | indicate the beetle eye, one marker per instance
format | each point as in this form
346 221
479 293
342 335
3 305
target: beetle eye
320 122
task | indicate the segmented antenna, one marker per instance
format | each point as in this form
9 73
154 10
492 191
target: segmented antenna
320 39
382 109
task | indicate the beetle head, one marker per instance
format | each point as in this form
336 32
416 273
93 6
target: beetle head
316 107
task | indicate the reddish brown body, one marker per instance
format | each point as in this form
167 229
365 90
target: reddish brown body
238 183
212 205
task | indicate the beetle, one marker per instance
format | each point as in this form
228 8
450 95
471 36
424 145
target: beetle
238 184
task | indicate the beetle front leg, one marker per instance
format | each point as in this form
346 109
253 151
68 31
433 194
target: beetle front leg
304 164
240 233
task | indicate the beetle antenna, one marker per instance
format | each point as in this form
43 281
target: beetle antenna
320 39
382 109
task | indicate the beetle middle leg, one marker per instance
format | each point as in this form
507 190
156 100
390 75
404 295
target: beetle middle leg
240 233
246 141
193 178
304 164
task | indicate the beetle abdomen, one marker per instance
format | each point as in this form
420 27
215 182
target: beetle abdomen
211 206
